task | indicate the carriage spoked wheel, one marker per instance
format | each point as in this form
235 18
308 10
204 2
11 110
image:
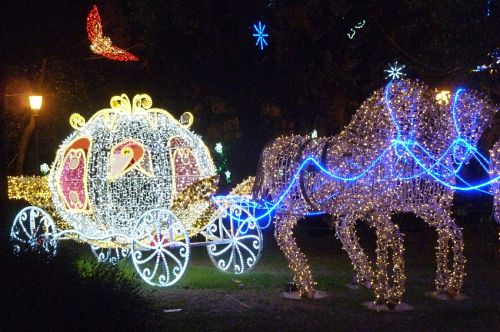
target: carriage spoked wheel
160 249
236 240
34 230
110 255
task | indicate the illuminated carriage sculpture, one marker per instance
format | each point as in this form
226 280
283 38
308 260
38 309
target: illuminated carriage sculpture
134 181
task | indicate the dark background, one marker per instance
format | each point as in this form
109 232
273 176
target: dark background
200 56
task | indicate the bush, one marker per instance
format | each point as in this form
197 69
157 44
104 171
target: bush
59 294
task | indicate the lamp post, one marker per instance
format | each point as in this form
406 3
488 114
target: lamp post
36 105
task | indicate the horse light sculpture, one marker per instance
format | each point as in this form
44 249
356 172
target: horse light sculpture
401 153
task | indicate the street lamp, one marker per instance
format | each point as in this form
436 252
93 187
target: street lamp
36 105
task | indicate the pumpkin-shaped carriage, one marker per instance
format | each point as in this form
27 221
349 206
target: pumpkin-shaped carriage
134 181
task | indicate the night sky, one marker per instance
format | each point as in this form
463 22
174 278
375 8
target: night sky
323 59
200 56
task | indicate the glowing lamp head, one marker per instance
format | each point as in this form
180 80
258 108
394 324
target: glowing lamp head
35 103
443 97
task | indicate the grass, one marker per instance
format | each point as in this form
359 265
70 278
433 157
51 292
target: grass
215 301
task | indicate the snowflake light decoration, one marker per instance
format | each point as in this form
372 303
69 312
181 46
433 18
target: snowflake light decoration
261 35
44 169
394 71
218 147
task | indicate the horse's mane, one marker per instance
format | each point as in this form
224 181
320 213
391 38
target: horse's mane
402 110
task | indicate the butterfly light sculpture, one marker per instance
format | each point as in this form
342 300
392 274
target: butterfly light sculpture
102 45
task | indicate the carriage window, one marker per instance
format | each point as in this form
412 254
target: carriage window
72 184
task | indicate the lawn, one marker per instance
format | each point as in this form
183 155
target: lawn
215 301
210 300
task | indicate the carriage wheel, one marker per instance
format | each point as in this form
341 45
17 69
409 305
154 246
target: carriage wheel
33 230
160 250
236 240
110 255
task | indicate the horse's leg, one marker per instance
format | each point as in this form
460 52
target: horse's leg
346 232
388 238
296 259
449 279
450 234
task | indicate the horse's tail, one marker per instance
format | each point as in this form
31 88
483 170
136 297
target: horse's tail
276 166
261 186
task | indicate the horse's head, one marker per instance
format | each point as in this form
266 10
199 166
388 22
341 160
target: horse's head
471 114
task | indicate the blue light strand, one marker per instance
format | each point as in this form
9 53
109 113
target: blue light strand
407 145
270 208
438 162
454 112
314 213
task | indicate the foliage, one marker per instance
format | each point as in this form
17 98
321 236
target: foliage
42 294
201 57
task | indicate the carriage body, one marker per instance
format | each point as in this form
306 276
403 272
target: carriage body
123 162
134 181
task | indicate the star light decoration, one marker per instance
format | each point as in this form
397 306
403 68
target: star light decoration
395 71
102 45
261 35
407 162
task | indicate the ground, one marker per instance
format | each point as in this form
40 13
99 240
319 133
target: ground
210 300
218 302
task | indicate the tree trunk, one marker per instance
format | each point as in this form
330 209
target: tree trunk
21 152
23 144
